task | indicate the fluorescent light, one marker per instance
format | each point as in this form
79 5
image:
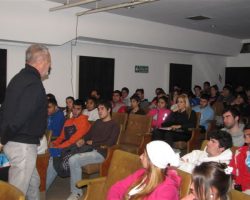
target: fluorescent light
69 5
115 6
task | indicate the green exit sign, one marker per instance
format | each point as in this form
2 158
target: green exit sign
141 69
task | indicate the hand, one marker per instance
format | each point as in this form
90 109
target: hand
174 127
80 142
89 142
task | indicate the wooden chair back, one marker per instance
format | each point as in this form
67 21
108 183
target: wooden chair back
237 195
10 192
120 119
42 163
122 164
136 134
186 180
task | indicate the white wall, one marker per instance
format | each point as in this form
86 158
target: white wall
31 21
242 60
64 74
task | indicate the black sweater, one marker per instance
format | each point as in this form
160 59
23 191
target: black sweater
23 115
181 118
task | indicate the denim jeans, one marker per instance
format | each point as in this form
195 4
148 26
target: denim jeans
51 174
76 162
23 173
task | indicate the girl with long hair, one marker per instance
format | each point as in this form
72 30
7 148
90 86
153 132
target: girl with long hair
175 127
155 181
210 181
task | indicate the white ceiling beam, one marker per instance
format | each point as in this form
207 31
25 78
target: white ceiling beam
115 6
69 5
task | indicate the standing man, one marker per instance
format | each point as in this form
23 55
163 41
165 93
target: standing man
23 120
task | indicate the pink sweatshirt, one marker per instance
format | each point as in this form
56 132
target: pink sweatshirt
167 190
159 116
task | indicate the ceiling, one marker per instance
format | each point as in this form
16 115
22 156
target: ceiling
228 17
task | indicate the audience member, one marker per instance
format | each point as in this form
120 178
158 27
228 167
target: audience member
144 104
226 96
175 127
55 118
241 103
69 106
73 130
241 164
96 94
210 180
161 113
206 88
91 109
50 96
159 92
125 98
217 150
207 113
231 117
155 181
135 108
104 133
214 94
197 93
117 104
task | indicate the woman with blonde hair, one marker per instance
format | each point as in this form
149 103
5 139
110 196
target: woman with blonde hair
175 127
155 181
210 181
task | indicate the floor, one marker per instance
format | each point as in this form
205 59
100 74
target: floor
59 190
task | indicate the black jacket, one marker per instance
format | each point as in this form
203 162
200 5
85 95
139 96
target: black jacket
23 115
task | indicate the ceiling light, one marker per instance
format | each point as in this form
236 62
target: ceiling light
69 5
115 6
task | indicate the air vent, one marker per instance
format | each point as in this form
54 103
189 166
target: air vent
245 48
198 18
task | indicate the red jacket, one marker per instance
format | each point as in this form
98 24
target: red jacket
240 170
73 130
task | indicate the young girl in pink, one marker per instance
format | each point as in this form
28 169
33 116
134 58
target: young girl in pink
160 113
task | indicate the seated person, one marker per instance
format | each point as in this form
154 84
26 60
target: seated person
195 100
159 92
161 113
125 97
217 150
55 118
117 104
135 108
73 130
104 133
144 104
241 164
178 123
226 96
210 180
207 113
91 109
241 103
69 107
231 118
155 181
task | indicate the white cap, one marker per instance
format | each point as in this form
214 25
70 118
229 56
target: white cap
161 154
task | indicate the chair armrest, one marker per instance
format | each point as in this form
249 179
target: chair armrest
105 165
85 182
